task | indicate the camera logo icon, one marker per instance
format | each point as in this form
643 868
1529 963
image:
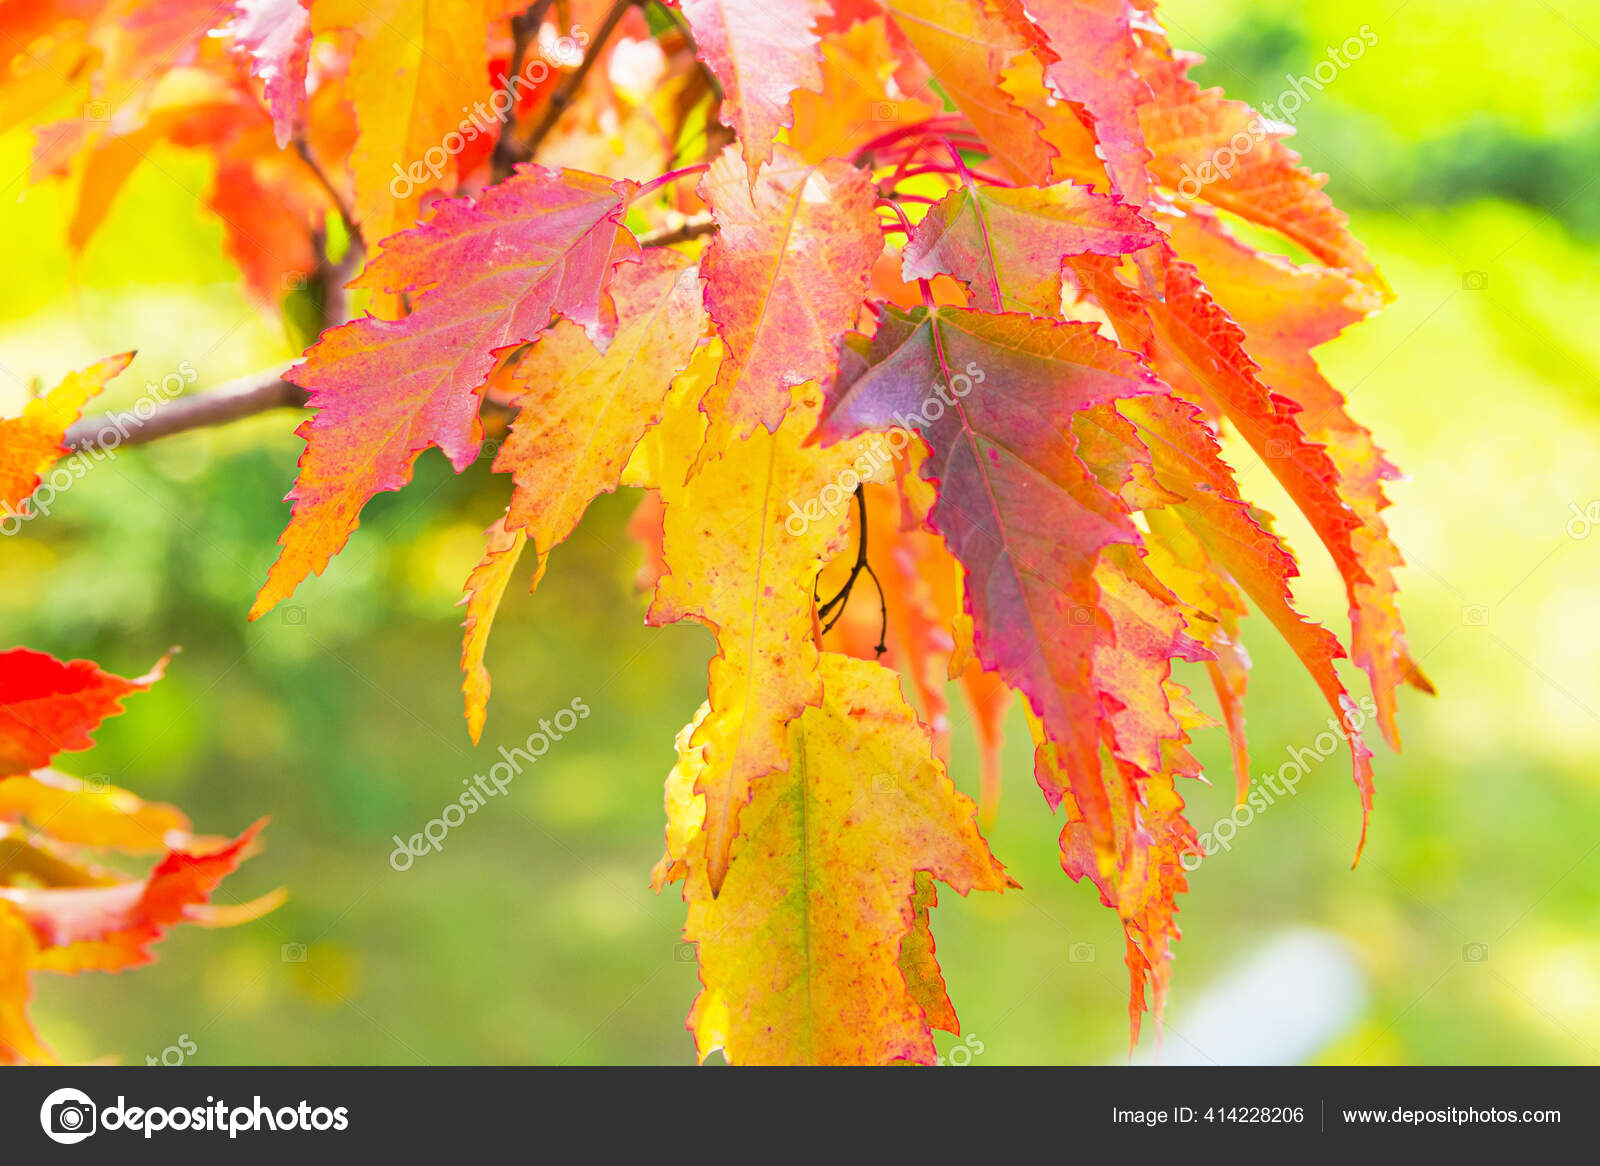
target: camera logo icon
1475 953
68 1116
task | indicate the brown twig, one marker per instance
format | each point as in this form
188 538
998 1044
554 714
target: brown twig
558 101
332 191
234 401
241 398
523 29
682 233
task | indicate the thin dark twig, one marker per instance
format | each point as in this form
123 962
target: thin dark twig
558 101
233 401
861 566
688 229
332 192
524 28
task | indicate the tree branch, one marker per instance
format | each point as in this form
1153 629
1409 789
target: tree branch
244 397
234 401
265 391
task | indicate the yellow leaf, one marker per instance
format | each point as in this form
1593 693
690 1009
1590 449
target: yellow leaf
581 412
486 586
802 952
744 539
417 68
858 101
30 444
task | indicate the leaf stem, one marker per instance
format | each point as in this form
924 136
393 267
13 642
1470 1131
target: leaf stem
670 176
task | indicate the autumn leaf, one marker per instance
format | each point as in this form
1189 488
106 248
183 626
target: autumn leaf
801 954
107 929
276 35
59 910
48 706
1285 311
416 70
581 412
486 586
1008 243
31 443
760 54
1231 539
19 1044
385 390
1095 64
79 814
1187 126
784 277
857 100
1017 507
741 562
969 49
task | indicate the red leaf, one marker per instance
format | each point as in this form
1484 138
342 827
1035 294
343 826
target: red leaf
484 277
106 929
760 54
48 706
1017 506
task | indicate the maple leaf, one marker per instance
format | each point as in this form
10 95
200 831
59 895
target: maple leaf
1095 65
31 443
1187 126
48 706
1017 506
1285 311
276 35
80 815
784 278
109 928
742 563
1008 243
484 277
760 54
19 1044
804 953
486 586
1228 535
57 911
581 412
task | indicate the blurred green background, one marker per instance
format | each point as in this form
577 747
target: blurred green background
1465 145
